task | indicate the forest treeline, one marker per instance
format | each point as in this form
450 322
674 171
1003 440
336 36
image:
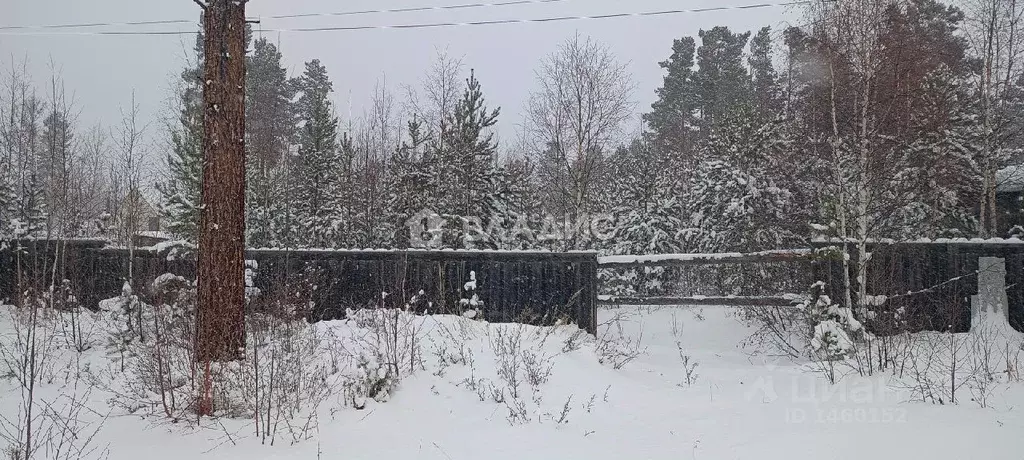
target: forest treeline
871 119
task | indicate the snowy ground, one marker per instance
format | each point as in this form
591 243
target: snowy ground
736 406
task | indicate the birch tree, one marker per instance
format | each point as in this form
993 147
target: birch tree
584 96
996 34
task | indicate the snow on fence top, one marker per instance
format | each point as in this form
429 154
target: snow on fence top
886 241
785 255
446 252
324 253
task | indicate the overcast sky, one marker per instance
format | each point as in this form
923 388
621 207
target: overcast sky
102 71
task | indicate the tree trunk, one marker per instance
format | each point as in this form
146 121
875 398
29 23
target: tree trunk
221 311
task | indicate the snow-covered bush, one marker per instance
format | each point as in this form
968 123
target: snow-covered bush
834 329
151 369
731 209
471 306
372 381
386 349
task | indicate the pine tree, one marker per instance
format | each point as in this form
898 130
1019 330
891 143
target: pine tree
469 151
409 180
722 81
765 80
939 199
32 213
729 209
182 191
8 174
645 199
318 166
740 198
347 194
672 117
466 180
509 199
270 129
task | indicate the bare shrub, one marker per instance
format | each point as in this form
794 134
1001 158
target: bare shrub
517 411
1011 354
778 330
450 349
68 435
924 362
507 345
78 335
537 369
940 365
562 417
983 352
677 326
614 346
288 371
53 428
689 365
575 341
27 357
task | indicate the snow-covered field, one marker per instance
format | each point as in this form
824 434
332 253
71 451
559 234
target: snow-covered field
569 400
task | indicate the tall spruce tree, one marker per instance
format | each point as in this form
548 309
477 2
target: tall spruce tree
32 211
8 200
182 190
347 194
317 178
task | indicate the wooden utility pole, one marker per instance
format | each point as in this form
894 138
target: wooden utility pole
220 319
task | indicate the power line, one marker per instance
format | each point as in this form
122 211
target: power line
295 16
100 24
455 24
465 6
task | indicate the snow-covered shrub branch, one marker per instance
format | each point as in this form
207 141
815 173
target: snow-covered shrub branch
614 346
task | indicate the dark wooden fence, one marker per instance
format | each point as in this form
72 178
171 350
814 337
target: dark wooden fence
529 287
928 285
